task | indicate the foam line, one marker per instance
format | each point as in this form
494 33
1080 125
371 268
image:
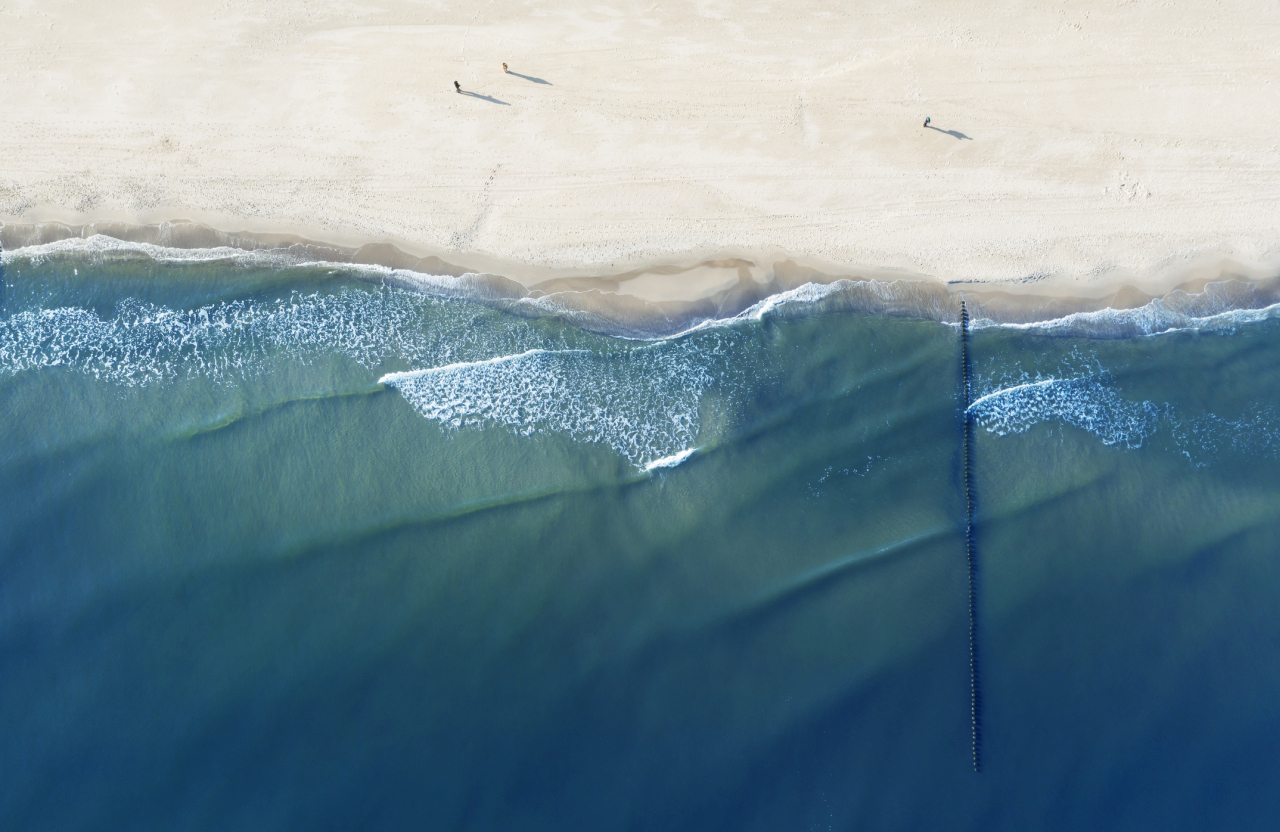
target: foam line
1087 403
670 461
408 376
644 403
1221 305
146 344
1007 392
1155 318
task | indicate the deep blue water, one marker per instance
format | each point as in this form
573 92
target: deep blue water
296 547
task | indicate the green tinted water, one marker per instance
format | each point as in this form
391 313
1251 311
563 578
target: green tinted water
247 585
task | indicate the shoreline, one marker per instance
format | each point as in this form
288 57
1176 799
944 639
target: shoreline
671 298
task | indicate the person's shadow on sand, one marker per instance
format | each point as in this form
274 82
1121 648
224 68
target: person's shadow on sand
489 98
955 133
530 78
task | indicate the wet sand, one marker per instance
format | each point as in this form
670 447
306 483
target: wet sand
669 299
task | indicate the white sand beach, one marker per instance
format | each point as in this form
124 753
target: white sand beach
1094 142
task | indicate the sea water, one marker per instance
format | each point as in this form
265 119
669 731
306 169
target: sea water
299 545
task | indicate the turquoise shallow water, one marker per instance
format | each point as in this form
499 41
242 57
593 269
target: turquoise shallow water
296 546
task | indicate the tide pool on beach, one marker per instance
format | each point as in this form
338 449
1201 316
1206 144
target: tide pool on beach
297 545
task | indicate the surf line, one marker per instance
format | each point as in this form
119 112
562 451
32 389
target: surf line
975 689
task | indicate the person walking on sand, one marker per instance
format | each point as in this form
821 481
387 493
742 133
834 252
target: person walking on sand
927 120
504 66
457 87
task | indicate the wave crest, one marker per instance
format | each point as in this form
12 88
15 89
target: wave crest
643 403
1086 403
144 343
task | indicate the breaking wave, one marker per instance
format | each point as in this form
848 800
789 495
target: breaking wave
672 461
1087 403
480 365
1092 404
1219 306
646 399
143 343
1157 317
643 403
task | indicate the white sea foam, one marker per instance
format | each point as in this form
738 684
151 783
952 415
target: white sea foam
902 297
1087 403
99 246
863 295
643 403
144 343
1220 306
1159 316
808 294
670 461
1091 404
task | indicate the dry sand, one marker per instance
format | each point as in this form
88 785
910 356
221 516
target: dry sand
1097 142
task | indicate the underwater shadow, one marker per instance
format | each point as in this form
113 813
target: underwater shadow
956 133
